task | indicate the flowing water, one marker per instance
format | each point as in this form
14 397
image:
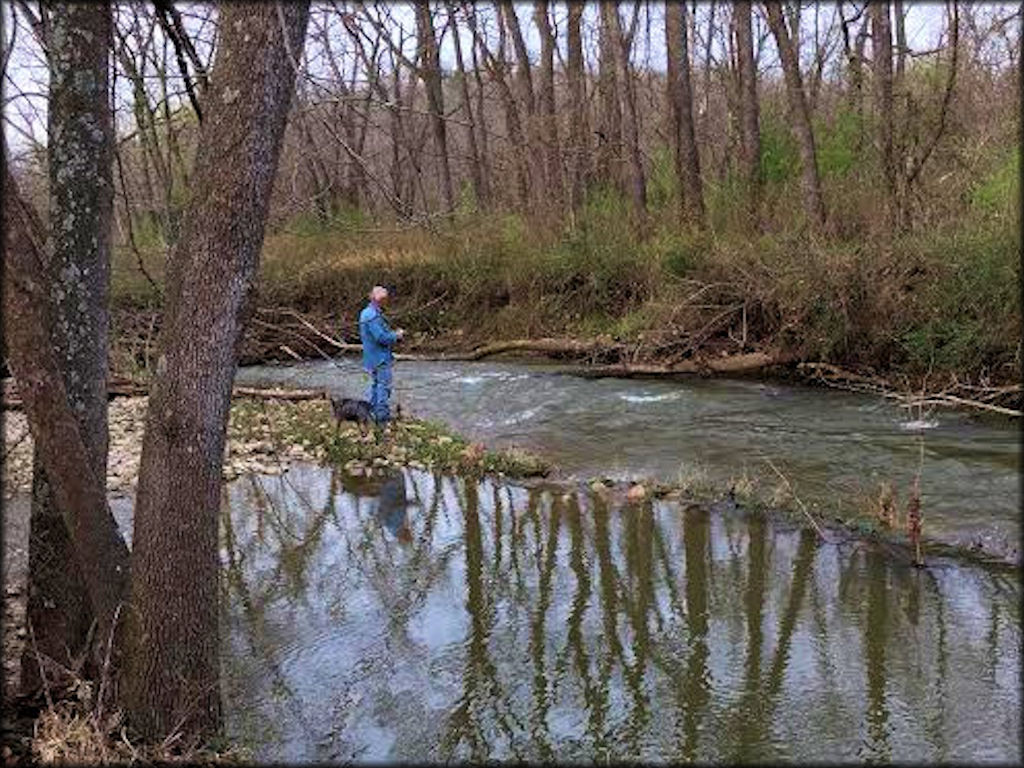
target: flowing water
835 448
421 618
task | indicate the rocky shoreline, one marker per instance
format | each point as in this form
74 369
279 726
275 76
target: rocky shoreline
266 436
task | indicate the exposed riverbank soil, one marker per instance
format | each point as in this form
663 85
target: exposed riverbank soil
286 334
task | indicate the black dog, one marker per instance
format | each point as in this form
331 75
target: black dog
347 409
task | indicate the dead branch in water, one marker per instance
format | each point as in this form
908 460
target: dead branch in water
981 396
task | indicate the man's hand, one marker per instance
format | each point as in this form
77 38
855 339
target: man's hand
400 332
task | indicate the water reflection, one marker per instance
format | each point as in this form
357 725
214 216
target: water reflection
836 446
413 617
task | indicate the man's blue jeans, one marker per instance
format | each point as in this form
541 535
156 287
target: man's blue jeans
379 393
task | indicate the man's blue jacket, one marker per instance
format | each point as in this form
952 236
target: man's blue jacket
377 337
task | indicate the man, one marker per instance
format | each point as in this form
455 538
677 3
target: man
378 339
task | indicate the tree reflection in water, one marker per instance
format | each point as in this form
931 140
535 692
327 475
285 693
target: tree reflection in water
417 617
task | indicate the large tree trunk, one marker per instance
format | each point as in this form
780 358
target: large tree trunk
750 132
578 153
81 205
881 66
99 552
173 673
430 70
798 114
687 157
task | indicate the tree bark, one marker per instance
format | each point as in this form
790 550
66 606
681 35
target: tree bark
798 114
546 99
430 71
475 169
881 65
687 162
81 206
631 127
750 132
901 39
609 134
60 442
578 152
172 671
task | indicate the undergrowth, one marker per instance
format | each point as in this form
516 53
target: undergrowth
943 296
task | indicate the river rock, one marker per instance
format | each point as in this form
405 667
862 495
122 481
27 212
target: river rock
636 493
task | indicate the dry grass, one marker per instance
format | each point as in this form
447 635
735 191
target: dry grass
68 732
942 296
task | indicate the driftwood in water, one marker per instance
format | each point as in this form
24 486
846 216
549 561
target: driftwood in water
838 377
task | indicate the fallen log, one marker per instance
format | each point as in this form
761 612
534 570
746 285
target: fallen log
744 363
279 394
11 400
546 346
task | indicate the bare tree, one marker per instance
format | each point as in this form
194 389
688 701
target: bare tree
881 64
577 104
81 203
430 70
65 453
480 190
172 673
609 133
680 98
631 126
546 104
798 113
496 68
750 132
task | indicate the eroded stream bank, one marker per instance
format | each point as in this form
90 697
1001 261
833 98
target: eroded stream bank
417 617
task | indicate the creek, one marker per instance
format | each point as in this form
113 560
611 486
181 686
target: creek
414 617
834 448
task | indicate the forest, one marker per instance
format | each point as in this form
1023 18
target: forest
821 181
817 190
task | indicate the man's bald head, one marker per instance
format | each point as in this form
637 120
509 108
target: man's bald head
378 294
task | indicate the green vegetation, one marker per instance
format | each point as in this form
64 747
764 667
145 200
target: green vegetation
417 444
